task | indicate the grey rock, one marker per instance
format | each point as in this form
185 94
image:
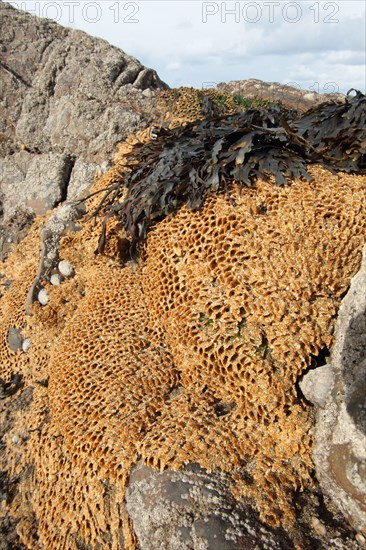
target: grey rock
290 95
67 95
317 383
193 509
55 91
148 93
63 220
145 79
82 176
340 437
13 172
14 230
44 185
14 339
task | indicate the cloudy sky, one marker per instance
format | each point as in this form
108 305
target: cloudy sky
317 45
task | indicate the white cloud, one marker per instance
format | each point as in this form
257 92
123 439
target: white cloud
279 40
173 66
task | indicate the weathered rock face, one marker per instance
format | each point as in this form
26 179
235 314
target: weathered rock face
64 90
290 96
66 99
340 399
193 509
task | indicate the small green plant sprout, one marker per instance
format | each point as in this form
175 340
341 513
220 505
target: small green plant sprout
205 321
263 350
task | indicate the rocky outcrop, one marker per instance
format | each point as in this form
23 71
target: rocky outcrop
193 509
291 96
66 100
338 392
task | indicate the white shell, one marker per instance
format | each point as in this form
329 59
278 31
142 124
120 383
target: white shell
65 268
55 279
26 344
43 297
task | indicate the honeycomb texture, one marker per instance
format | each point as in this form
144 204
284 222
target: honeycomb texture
179 106
184 104
245 295
192 355
18 275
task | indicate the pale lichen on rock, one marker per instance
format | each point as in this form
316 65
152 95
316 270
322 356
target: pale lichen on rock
340 437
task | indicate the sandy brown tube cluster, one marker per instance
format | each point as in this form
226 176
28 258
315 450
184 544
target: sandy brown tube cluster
190 356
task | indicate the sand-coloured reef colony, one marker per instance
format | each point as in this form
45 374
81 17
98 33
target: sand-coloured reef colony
190 355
